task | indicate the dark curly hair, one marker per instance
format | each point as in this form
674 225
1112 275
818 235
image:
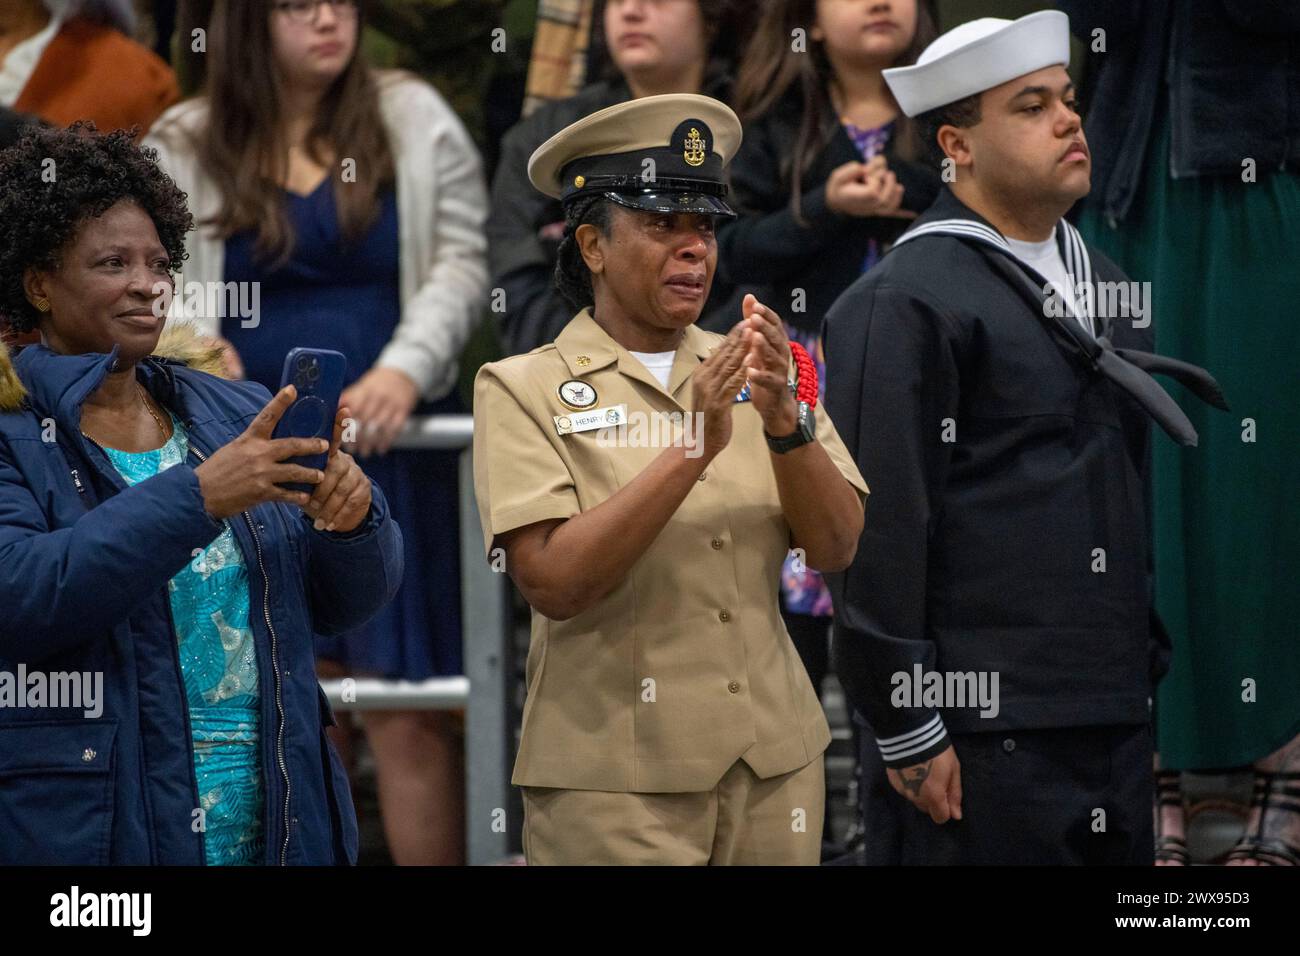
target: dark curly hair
572 277
53 180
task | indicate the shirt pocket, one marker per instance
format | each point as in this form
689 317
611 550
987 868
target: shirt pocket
601 466
56 792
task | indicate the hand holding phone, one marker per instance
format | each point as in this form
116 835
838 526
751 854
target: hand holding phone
255 468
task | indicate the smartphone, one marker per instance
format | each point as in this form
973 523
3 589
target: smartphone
318 376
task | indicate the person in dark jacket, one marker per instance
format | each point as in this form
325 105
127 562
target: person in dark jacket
150 550
996 625
650 49
1225 73
829 172
1198 102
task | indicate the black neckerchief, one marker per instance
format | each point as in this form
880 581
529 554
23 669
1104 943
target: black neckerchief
1129 369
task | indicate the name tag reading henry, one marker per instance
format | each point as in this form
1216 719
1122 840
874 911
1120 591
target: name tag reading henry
588 420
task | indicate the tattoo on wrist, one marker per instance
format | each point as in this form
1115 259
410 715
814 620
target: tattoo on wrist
914 777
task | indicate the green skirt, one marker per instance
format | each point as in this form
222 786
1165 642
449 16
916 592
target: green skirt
1223 260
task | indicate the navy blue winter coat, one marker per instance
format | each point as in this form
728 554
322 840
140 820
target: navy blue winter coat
84 565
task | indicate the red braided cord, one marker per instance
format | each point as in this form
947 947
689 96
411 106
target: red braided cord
805 375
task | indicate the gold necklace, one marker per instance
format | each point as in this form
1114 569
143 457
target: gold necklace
158 421
145 398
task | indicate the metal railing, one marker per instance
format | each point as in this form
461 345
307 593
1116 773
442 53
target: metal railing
485 629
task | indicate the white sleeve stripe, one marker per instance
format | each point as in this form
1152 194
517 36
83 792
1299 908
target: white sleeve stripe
907 737
906 750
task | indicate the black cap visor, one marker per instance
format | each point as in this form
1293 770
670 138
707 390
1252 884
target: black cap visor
652 200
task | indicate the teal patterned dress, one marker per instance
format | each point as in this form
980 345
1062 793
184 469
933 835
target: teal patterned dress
209 602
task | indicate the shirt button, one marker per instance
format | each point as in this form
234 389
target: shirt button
734 687
1008 745
703 475
717 544
724 615
88 755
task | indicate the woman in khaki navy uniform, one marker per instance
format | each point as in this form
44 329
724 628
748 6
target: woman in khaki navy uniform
668 718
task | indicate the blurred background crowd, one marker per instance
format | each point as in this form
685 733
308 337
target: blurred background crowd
373 180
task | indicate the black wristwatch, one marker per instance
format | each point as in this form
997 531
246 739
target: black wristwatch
804 432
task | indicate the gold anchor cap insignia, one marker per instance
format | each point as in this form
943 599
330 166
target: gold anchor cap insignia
694 149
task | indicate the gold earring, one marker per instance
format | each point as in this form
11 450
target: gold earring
42 305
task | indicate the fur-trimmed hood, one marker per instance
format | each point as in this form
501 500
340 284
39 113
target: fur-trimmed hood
180 342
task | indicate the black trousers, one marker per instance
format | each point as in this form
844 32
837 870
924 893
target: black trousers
1080 795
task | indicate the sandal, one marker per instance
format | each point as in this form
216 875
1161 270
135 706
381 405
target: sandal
1280 793
1169 849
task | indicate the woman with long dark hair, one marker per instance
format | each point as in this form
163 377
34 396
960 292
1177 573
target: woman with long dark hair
352 200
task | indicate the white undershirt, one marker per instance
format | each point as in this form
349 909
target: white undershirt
659 364
20 63
1045 259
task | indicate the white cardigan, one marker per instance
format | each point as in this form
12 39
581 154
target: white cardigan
441 206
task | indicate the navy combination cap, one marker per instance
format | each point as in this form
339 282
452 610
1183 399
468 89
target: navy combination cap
658 154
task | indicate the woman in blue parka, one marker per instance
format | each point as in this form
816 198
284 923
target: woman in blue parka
159 587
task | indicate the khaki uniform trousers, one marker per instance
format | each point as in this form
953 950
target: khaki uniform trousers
743 821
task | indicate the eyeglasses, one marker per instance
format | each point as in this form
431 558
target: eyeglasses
304 11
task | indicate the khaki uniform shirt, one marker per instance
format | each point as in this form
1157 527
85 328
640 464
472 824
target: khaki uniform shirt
686 666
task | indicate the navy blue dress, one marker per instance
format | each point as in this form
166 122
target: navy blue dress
334 296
